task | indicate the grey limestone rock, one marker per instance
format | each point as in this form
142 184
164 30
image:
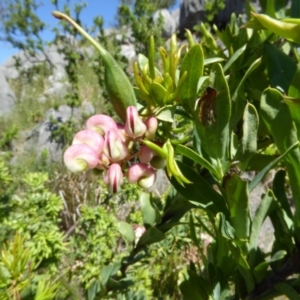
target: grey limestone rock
231 6
42 139
169 24
7 96
175 15
192 12
128 52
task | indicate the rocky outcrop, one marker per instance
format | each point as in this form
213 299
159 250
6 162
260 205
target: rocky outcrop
45 140
169 24
7 96
192 12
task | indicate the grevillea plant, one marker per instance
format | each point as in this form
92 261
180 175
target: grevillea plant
207 116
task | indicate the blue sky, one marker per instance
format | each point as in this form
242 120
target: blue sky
106 8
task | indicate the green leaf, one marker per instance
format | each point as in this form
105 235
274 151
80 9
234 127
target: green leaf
237 54
238 202
165 113
157 93
200 191
108 271
293 100
258 178
187 152
295 9
213 60
174 211
279 190
151 57
195 287
281 68
126 231
149 213
260 270
270 9
273 112
287 290
237 104
151 236
215 136
142 61
259 217
248 143
208 38
224 227
94 289
193 232
283 227
193 64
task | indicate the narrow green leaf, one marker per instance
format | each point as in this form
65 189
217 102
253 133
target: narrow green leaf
151 57
193 64
281 68
151 236
237 54
126 231
224 227
253 66
108 271
217 135
149 213
213 60
195 287
157 93
270 8
259 217
200 191
174 211
238 104
295 9
293 100
238 202
279 190
248 143
261 269
258 178
284 133
142 61
287 290
209 40
193 232
187 152
166 113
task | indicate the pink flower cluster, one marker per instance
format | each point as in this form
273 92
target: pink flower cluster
106 145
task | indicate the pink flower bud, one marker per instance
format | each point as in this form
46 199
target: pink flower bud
113 178
78 158
143 174
90 138
138 231
151 124
147 155
121 131
114 147
101 124
134 126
